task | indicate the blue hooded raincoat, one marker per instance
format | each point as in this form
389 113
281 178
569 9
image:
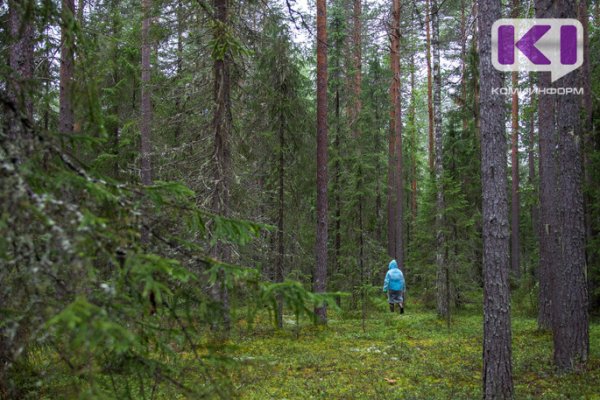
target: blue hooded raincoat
394 279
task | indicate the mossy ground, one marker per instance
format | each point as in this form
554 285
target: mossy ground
410 356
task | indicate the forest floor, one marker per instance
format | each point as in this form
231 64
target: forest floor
409 356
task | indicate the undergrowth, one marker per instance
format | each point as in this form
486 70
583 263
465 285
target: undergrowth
410 356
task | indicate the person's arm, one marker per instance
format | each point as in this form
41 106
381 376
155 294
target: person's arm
403 285
386 282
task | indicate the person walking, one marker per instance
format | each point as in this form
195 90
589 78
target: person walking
394 286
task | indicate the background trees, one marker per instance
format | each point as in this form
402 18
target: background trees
497 347
159 179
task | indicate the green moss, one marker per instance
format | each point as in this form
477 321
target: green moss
413 356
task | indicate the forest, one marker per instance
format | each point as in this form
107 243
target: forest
201 198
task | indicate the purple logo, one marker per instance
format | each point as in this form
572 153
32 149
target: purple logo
544 44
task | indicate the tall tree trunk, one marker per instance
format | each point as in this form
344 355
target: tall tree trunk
396 192
429 84
463 65
146 123
357 58
179 71
478 253
531 163
548 235
47 74
114 126
391 192
588 125
413 144
357 43
476 89
21 64
146 106
66 118
443 306
336 184
515 202
222 153
320 275
377 140
570 324
361 256
391 211
399 175
497 366
280 245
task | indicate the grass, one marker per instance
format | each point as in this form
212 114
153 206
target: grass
410 356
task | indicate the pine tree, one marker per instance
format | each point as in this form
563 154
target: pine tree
549 256
443 273
320 273
66 118
497 364
21 62
396 194
570 323
429 85
221 125
515 203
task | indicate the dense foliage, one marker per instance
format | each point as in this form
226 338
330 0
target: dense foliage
107 285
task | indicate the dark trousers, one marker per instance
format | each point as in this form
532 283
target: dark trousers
400 308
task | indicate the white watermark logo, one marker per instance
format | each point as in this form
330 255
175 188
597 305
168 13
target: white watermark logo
539 44
561 91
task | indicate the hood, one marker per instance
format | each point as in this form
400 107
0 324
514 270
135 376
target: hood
393 264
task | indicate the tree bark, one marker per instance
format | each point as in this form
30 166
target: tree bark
21 64
398 173
588 125
443 306
570 324
337 202
115 123
531 164
146 124
66 118
222 153
357 44
179 70
280 215
146 106
463 64
548 235
413 144
478 252
376 140
429 84
391 210
396 194
515 202
320 275
497 367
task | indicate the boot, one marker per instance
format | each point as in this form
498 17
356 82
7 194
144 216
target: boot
401 308
391 307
